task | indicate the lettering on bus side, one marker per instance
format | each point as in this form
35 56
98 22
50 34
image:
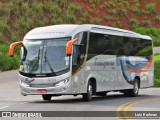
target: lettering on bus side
104 64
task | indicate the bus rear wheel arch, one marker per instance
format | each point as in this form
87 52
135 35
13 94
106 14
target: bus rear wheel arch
135 90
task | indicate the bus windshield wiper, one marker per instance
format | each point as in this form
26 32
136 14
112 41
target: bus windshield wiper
47 61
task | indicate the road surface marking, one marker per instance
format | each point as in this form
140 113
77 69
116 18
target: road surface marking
126 107
4 107
23 103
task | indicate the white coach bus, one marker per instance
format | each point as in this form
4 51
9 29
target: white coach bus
84 60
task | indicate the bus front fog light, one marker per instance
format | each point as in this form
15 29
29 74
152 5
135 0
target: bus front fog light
24 84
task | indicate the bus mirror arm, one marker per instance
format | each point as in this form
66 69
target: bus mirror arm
12 47
69 46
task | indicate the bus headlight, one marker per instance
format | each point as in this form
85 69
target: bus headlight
62 82
24 84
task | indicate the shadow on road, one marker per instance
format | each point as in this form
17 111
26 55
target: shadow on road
95 100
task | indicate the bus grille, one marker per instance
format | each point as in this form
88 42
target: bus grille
41 85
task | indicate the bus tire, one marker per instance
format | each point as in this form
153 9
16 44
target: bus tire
46 97
133 92
88 96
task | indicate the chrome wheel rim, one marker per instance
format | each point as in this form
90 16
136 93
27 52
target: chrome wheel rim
90 89
136 88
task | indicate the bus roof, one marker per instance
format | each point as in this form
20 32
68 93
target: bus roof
67 30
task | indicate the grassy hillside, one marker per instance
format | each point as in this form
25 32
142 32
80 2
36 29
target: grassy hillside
19 16
127 14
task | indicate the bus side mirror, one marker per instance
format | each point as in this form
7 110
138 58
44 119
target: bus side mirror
12 47
69 46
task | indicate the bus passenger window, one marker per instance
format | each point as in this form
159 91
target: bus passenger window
76 55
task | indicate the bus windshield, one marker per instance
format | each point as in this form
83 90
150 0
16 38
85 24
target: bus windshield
44 56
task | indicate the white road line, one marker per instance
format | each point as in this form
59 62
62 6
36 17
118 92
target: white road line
23 103
4 107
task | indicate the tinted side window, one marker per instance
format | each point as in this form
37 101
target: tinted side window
105 44
118 45
98 43
84 43
137 47
145 49
131 46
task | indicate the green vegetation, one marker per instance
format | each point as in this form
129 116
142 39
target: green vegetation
93 1
108 18
7 63
112 12
157 70
135 8
157 57
157 82
123 12
158 19
109 4
150 7
156 43
95 21
146 24
153 32
134 23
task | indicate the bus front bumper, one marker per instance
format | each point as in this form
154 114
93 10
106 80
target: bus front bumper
59 90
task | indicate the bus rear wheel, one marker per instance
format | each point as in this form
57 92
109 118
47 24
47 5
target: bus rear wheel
133 92
46 97
88 96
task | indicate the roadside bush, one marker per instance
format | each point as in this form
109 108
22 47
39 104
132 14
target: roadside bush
5 9
157 70
109 4
7 63
93 1
112 12
135 8
152 32
123 12
37 7
157 82
156 43
74 8
158 19
146 24
95 21
150 7
69 18
108 18
134 23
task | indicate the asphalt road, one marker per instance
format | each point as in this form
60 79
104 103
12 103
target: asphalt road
11 100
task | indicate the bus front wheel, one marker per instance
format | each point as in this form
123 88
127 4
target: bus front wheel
46 97
88 96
